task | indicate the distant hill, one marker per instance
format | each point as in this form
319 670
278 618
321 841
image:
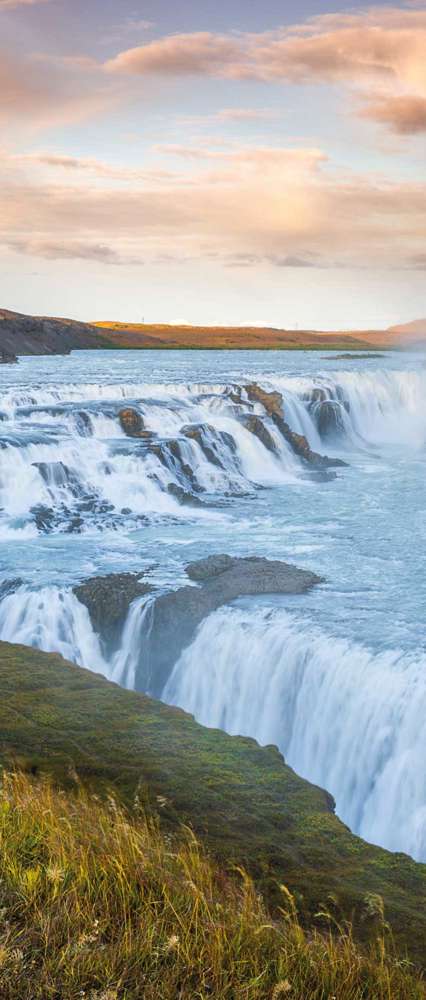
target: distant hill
417 328
22 334
133 335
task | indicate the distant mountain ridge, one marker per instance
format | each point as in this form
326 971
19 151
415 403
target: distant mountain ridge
21 334
417 327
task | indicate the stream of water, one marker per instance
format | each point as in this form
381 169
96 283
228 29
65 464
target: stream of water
337 678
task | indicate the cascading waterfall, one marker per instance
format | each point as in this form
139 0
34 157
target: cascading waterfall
65 462
53 620
133 648
347 719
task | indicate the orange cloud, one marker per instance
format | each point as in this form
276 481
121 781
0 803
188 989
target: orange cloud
405 115
12 4
379 47
277 207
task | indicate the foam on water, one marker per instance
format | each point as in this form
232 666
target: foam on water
348 719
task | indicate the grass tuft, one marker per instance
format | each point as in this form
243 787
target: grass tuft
98 903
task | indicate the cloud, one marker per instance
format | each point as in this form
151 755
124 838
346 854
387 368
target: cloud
376 51
99 253
405 115
41 91
199 53
283 207
244 114
12 4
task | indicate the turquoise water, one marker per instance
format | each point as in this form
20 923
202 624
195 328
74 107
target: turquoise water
78 498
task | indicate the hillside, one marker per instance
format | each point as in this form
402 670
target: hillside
243 801
20 334
231 338
23 335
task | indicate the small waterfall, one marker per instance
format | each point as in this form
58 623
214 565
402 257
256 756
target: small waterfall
344 717
53 620
134 645
373 408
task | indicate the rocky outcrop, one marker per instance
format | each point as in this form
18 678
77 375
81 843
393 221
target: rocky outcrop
183 497
108 599
208 439
21 334
273 403
256 426
174 617
132 423
7 358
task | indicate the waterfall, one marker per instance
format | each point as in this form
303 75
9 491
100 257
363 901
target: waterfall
134 644
67 465
53 620
346 718
375 408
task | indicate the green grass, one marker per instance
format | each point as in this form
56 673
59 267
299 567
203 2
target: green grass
98 903
242 801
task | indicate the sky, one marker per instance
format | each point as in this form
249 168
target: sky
214 161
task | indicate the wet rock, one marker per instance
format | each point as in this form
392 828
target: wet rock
58 474
328 417
209 440
301 447
132 423
272 402
174 617
74 526
256 426
44 517
108 599
210 567
183 496
10 587
7 358
84 424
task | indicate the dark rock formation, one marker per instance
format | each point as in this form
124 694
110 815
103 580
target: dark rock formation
7 358
132 423
174 617
272 402
328 416
183 496
44 517
20 334
209 440
10 586
352 357
108 599
256 426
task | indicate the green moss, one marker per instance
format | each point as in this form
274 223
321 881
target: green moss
249 807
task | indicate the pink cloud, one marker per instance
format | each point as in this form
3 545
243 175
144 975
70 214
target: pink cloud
376 48
12 4
405 115
198 53
281 207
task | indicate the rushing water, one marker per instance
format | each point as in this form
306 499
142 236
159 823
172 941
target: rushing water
337 678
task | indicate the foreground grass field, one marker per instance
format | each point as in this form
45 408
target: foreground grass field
96 902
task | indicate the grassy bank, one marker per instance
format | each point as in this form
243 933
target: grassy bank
241 800
95 903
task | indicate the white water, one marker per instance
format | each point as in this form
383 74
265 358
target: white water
52 620
337 677
347 719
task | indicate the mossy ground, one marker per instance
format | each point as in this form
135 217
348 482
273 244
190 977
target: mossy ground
247 806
